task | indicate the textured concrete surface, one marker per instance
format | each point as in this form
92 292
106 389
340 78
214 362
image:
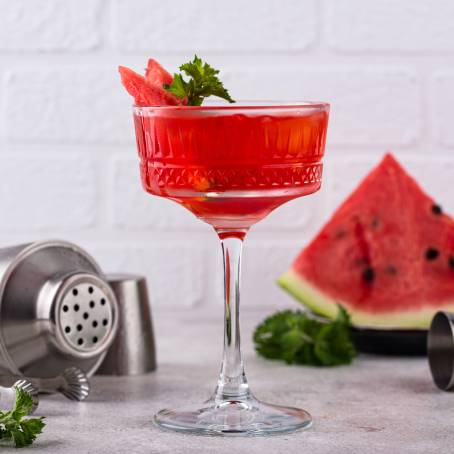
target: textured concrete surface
378 405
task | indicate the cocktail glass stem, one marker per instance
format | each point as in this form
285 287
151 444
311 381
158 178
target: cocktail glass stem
232 384
232 409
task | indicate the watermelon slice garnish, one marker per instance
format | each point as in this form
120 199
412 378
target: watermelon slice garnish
196 82
155 74
146 93
386 255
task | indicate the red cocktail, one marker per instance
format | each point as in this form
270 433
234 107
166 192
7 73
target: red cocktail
231 166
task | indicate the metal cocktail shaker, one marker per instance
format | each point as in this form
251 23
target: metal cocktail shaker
56 310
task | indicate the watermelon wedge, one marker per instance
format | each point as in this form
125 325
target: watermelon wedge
144 92
386 255
156 74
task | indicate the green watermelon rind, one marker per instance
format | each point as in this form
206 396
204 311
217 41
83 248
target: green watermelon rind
322 304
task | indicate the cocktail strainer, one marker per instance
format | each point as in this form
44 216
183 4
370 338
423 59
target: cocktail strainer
56 310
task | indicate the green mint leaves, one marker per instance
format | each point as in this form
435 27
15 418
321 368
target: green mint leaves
296 337
202 83
13 426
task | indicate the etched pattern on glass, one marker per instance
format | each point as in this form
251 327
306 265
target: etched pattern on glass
219 178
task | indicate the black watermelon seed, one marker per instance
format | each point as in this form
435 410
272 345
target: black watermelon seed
391 269
375 222
451 261
369 274
436 209
432 253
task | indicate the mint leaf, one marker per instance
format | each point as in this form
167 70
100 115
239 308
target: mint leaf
31 428
296 337
178 86
22 406
203 82
14 427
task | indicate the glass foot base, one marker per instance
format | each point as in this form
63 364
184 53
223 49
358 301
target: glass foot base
234 418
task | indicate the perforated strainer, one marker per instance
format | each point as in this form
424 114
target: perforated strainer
56 310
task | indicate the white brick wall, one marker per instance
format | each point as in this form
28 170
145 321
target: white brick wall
442 97
49 25
390 25
33 195
68 165
207 25
65 105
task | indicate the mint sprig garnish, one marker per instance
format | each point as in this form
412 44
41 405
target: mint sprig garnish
296 337
203 82
13 426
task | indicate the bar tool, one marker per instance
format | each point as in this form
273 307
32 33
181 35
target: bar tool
72 383
440 350
56 310
133 350
8 394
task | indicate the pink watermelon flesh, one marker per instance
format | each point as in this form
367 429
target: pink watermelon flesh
155 74
386 255
145 93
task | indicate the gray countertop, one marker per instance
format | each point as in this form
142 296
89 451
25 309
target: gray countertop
377 405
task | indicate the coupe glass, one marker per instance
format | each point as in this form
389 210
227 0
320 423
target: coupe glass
231 165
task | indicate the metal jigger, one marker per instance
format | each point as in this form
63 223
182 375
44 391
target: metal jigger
440 350
133 350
